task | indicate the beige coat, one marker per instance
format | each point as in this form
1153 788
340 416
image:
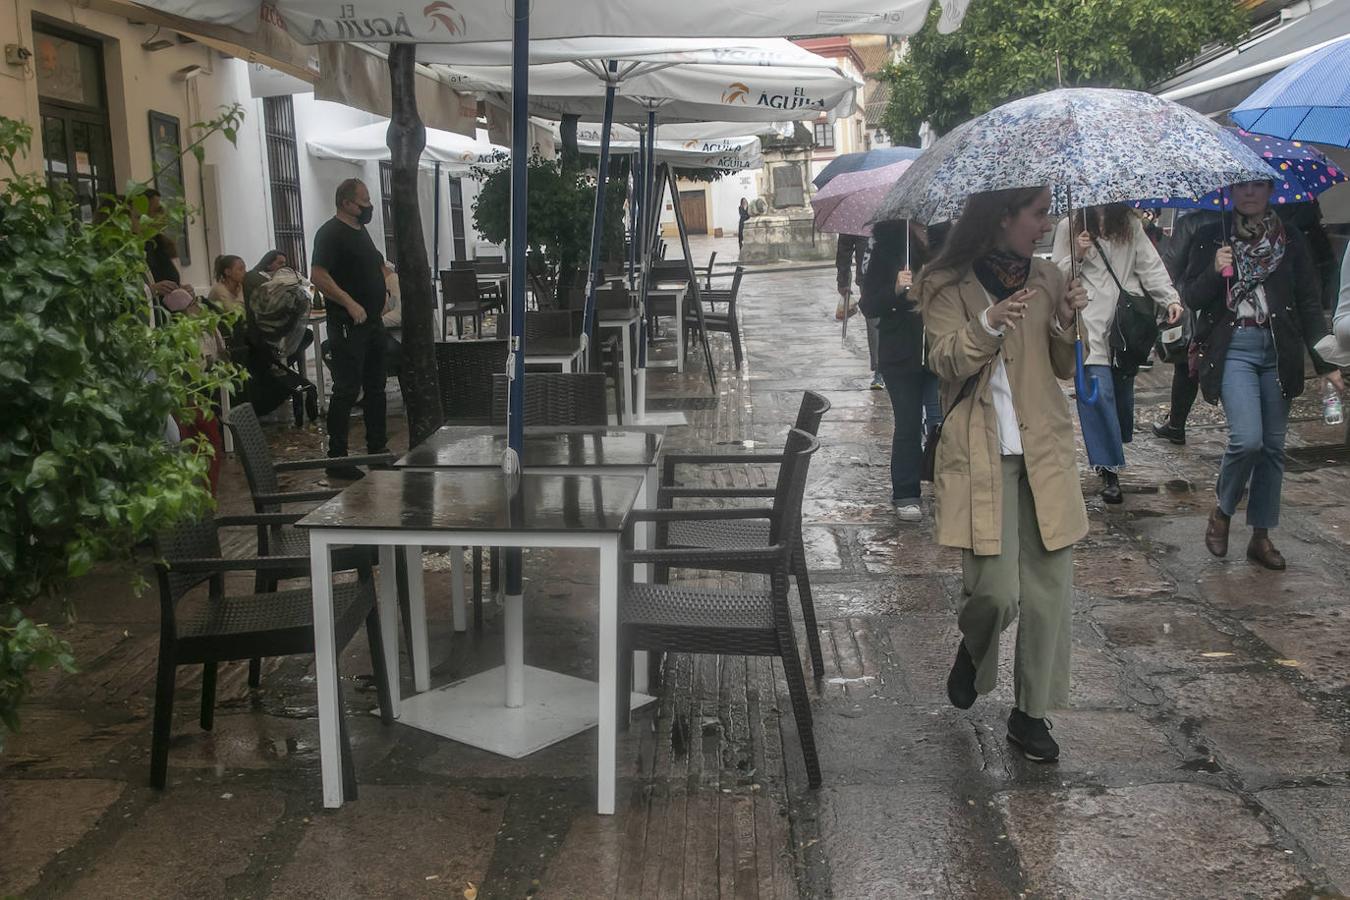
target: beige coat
968 470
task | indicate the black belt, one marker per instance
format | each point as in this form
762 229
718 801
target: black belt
1252 323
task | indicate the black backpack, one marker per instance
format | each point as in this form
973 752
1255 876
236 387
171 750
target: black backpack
1135 327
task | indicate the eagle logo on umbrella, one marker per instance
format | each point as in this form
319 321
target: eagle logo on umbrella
444 14
735 92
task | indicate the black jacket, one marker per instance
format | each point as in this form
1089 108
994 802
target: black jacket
1176 251
848 260
1296 319
899 326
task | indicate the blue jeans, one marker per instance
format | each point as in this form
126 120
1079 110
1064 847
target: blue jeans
1258 416
1108 424
917 410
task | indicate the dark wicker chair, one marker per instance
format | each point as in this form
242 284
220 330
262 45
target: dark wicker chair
674 533
715 320
465 370
223 628
556 399
659 617
462 299
277 537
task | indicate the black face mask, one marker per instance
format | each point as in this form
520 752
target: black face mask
365 215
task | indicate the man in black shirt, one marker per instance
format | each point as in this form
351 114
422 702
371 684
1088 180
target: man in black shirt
350 272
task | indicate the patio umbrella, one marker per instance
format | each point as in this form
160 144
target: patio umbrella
1309 101
1089 145
455 152
847 204
1302 173
863 161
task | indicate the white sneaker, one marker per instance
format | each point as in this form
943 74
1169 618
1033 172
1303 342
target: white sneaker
909 513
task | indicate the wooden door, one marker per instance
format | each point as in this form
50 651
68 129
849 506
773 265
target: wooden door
694 205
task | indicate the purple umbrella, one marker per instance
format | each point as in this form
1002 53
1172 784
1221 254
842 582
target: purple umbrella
846 205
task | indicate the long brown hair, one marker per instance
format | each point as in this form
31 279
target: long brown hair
1110 222
974 235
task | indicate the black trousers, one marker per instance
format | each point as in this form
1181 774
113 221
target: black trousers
1184 389
358 353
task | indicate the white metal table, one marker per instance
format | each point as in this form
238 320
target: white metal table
514 709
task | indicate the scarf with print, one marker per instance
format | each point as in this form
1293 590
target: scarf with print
1258 248
1002 273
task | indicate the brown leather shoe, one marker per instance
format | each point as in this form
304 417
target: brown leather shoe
1262 552
1216 532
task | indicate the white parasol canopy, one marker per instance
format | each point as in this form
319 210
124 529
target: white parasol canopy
455 152
687 92
467 21
736 153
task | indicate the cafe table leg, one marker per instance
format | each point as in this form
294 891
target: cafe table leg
642 573
609 675
386 602
627 373
513 622
417 609
679 332
325 669
457 587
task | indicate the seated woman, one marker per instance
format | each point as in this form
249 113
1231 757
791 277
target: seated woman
227 293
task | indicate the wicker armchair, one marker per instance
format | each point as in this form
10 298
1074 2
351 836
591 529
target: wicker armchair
465 370
276 536
228 627
659 617
701 533
726 322
556 399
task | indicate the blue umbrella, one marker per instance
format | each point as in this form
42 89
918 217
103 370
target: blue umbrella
1304 173
860 162
1309 101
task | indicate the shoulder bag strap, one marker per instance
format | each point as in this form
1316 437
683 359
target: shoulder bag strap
1120 287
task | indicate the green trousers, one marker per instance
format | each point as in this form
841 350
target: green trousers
1025 581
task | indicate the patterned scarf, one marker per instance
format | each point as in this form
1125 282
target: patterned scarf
1258 247
1002 273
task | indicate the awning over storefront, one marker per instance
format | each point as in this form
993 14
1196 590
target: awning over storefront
1219 85
351 74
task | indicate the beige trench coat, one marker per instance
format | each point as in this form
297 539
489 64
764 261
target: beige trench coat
968 473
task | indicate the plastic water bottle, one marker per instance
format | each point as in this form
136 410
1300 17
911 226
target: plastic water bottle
1332 411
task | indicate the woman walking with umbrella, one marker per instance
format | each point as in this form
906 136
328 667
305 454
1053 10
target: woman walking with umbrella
1000 332
1114 254
1258 306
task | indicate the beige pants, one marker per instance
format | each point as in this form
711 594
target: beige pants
1025 581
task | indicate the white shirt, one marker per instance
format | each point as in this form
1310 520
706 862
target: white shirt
1009 429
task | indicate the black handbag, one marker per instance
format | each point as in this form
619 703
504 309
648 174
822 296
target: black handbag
1134 329
1174 341
929 467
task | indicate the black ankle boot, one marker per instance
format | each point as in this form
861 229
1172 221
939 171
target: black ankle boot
1111 493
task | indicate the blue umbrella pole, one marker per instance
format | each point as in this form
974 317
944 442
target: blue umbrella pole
598 218
513 607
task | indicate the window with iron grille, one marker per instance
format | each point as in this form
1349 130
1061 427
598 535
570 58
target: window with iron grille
283 168
387 210
825 135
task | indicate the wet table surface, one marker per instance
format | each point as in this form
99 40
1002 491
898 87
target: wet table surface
480 500
482 447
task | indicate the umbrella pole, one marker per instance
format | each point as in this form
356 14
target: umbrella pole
436 244
598 218
1085 386
513 606
650 204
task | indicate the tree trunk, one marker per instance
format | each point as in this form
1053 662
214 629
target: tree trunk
569 150
407 138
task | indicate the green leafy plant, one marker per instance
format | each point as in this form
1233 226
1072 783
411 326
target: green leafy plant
1012 48
561 204
87 385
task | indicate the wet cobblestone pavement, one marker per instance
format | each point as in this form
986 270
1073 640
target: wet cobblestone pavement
1206 750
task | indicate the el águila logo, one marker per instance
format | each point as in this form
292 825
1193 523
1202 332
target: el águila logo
735 93
442 13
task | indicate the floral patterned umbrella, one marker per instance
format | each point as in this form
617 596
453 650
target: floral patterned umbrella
1090 145
847 203
1305 172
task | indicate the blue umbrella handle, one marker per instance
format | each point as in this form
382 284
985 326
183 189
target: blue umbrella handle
1085 385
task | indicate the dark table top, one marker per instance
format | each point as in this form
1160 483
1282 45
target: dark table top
481 447
480 500
552 346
